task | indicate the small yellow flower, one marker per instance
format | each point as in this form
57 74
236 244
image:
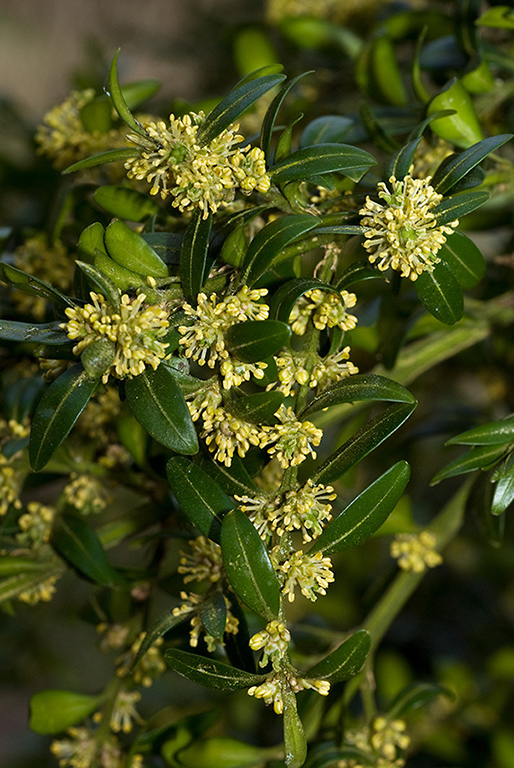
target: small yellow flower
331 369
262 511
50 263
292 440
11 482
305 509
416 552
204 562
124 712
78 751
98 417
85 493
42 592
271 691
36 525
327 309
235 372
388 736
192 603
311 573
225 435
273 642
403 232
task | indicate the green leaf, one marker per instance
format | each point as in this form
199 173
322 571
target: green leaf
56 413
345 661
363 442
199 497
45 333
111 156
256 340
158 404
128 249
126 203
166 622
455 167
365 514
213 614
462 128
321 159
357 273
77 543
504 491
118 99
248 566
137 93
329 129
493 433
464 259
193 254
440 293
268 122
33 285
122 278
209 672
258 408
96 115
414 696
52 711
167 245
100 282
476 458
361 387
270 240
90 241
284 299
234 479
234 105
501 17
459 205
399 164
295 743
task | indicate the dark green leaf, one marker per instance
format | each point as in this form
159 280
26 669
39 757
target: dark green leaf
267 69
339 229
45 333
270 240
459 205
32 285
96 115
454 168
440 293
321 159
234 105
398 166
100 283
248 566
416 695
356 273
258 408
213 614
493 433
90 241
137 93
363 442
193 254
208 672
161 626
329 129
234 480
376 130
166 244
345 661
53 711
75 541
365 514
126 203
288 294
268 122
475 458
111 156
464 259
199 497
295 743
255 340
158 404
503 495
56 413
118 99
361 387
128 249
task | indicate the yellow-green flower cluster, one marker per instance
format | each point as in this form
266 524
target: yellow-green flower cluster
291 440
150 666
226 434
98 417
273 641
271 690
44 591
191 605
174 162
85 493
12 474
311 573
124 712
134 331
416 552
47 262
35 525
402 233
383 742
327 310
78 751
325 372
63 138
203 563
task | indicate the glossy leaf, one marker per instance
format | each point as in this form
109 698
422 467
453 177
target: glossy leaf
124 279
367 386
398 166
441 294
90 241
284 299
54 710
78 543
270 240
100 282
33 285
118 99
233 105
33 333
166 622
128 249
213 614
295 743
503 495
365 514
248 566
258 408
462 128
464 259
459 205
329 129
268 122
234 479
493 433
193 254
199 497
345 661
209 672
476 458
385 72
454 168
369 437
416 695
356 273
167 245
321 159
140 91
255 340
110 156
56 413
234 247
126 203
158 404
